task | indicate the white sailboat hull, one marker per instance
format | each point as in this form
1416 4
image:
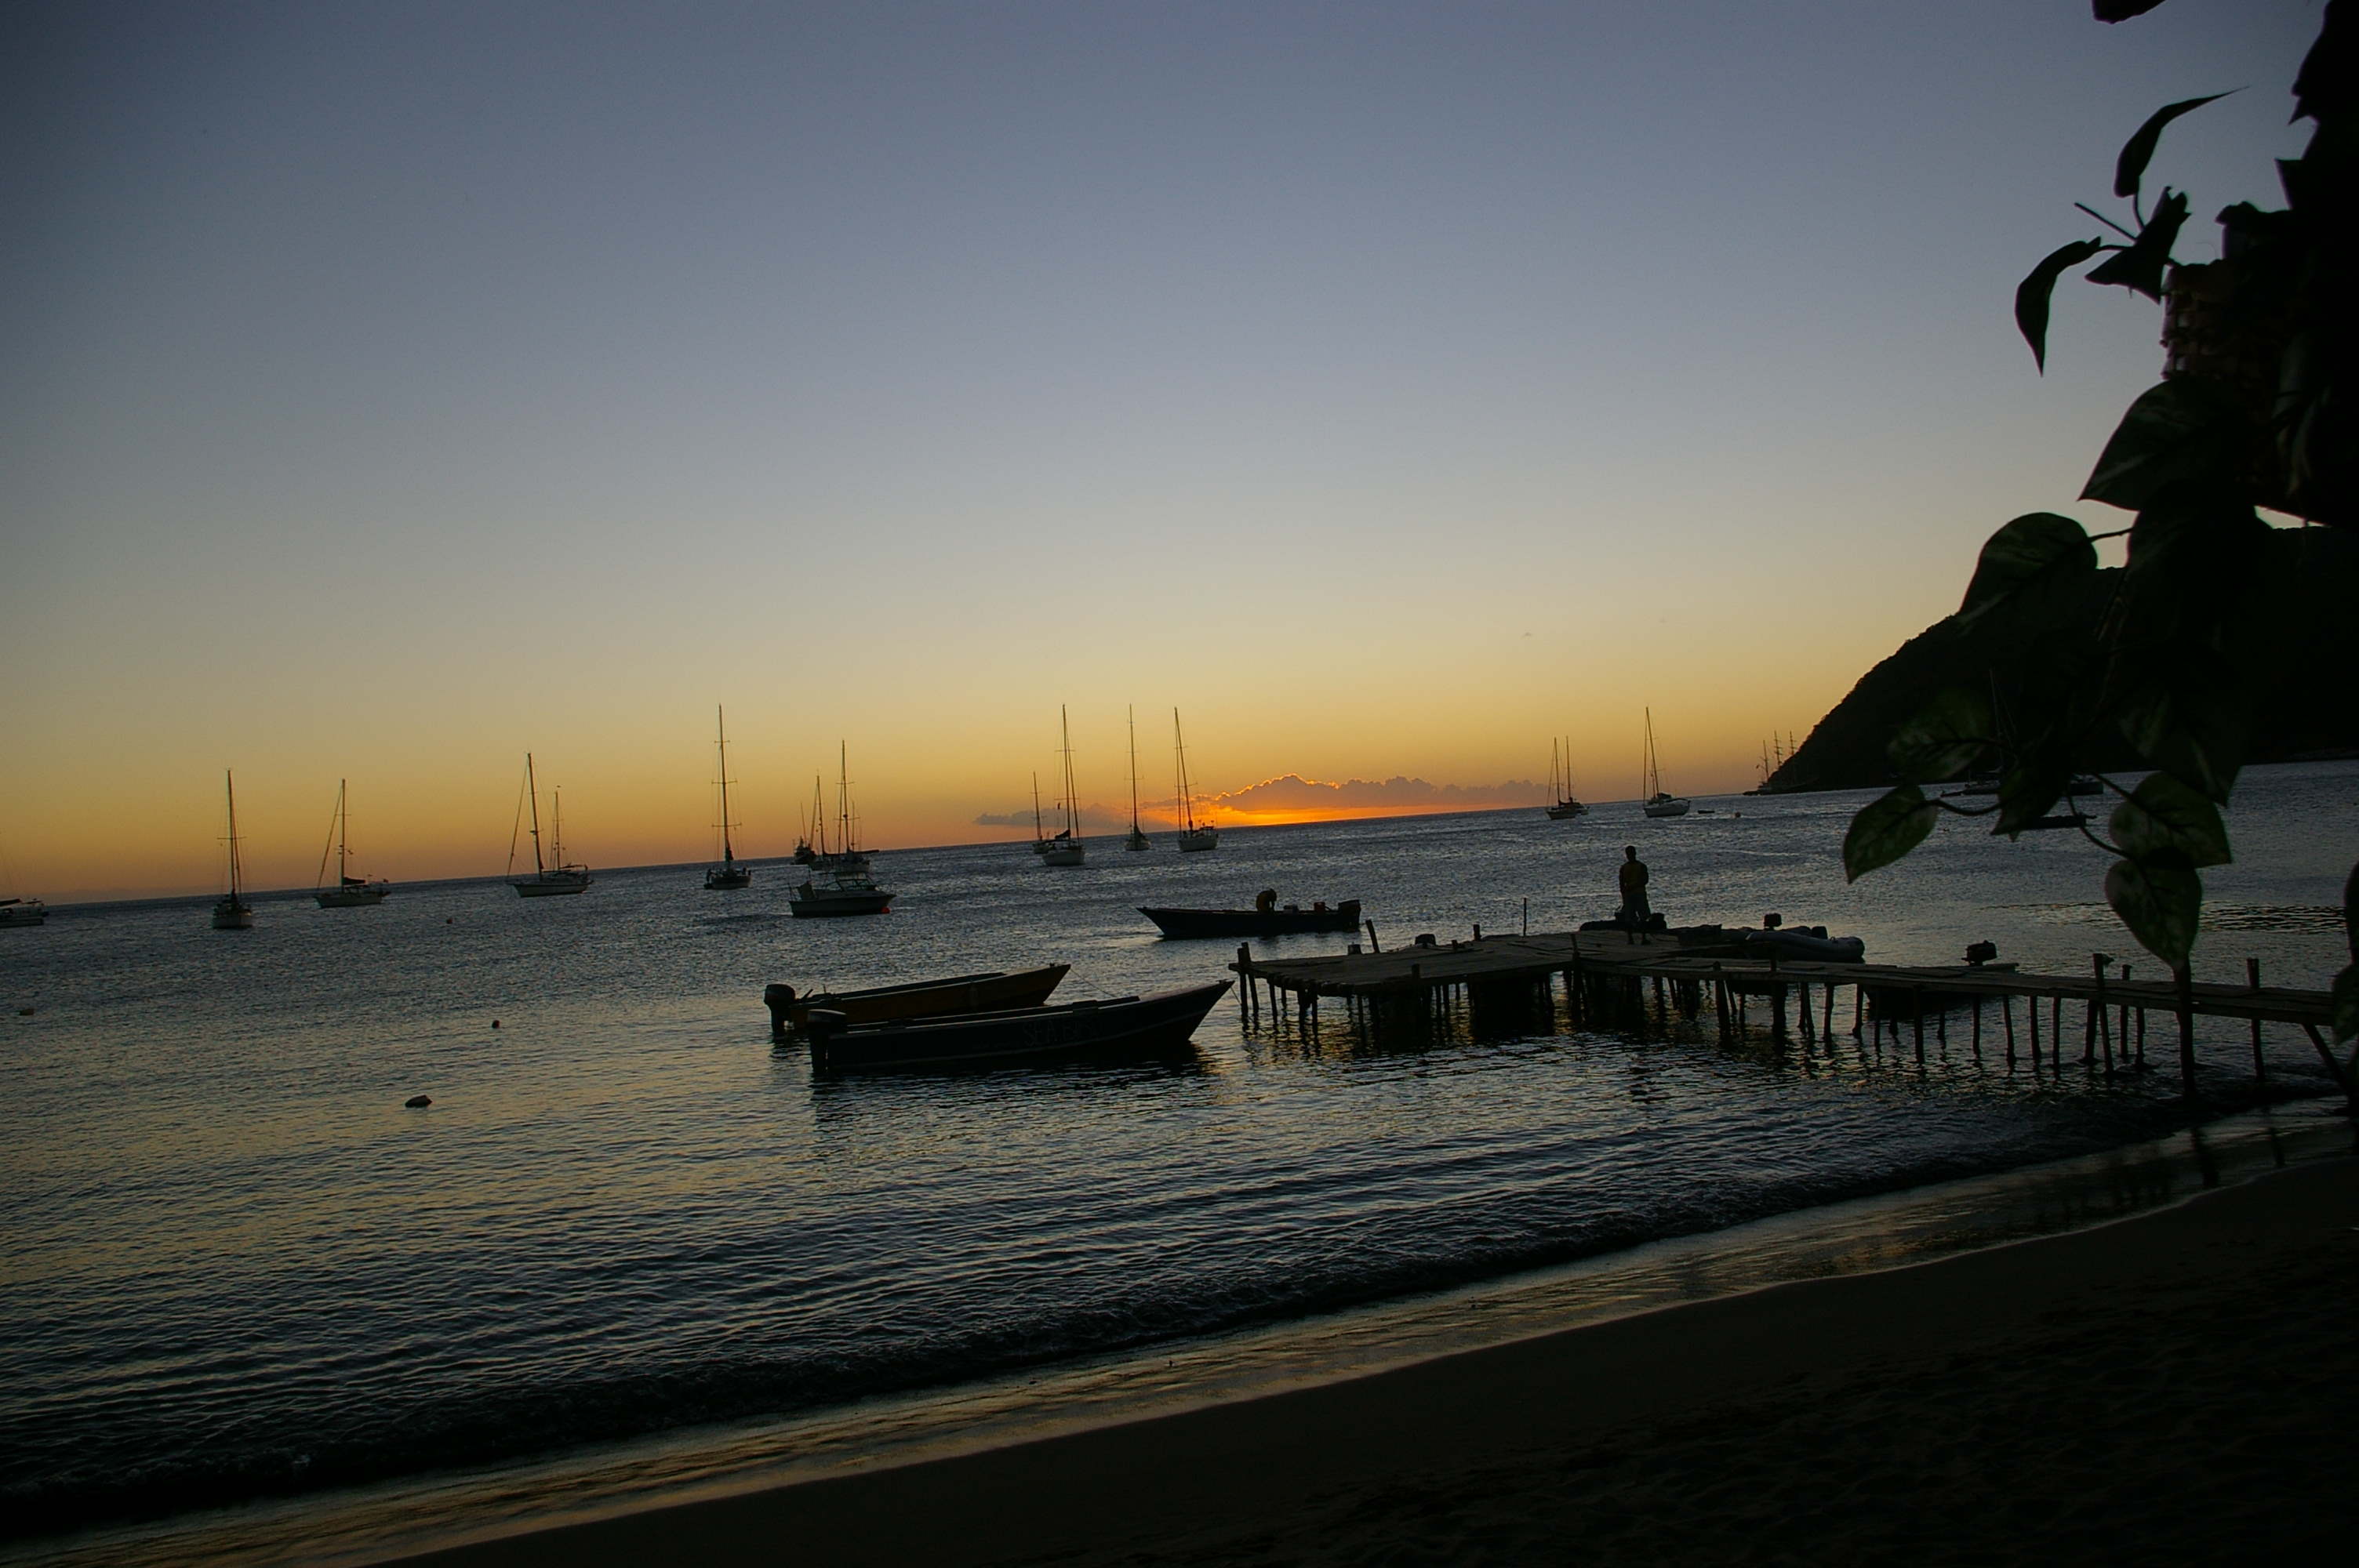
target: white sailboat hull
549 884
1666 806
232 914
351 898
1062 855
1200 839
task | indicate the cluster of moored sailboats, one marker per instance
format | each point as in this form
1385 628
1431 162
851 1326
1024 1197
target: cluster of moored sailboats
1653 798
1065 848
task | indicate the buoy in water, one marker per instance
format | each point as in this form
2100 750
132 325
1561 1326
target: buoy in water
495 1024
416 1102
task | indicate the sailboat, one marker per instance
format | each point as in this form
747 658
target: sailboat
552 875
1065 848
1561 783
1042 842
1138 839
1652 797
348 892
840 883
230 912
728 876
1193 835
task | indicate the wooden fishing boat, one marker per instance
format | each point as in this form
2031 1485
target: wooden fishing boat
1274 922
985 992
1124 1026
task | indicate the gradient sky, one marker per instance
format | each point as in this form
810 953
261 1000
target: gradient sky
393 388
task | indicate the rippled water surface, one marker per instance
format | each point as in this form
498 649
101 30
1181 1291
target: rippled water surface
235 1265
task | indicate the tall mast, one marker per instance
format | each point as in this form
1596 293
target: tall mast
343 851
1132 715
1187 809
1038 832
843 795
557 825
721 723
532 793
229 780
1072 808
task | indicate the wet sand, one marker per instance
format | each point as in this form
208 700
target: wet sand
2172 1387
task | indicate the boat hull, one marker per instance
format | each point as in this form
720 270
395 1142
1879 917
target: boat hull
1127 1026
232 914
1189 922
1670 805
23 912
551 884
727 878
1064 855
1565 809
812 900
1201 840
987 992
351 898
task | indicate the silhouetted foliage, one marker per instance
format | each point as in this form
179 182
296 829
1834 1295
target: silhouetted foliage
2254 410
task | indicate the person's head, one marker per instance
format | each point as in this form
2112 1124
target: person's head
1631 850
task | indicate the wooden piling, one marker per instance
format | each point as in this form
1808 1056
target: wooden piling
2253 979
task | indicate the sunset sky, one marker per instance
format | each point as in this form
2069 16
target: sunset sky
395 388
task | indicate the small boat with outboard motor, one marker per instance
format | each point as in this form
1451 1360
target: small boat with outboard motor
994 989
1267 917
1119 1027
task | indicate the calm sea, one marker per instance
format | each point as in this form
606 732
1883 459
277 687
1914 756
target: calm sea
235 1266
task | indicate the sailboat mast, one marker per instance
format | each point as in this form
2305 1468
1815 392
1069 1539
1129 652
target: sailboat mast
843 795
1072 808
229 781
721 724
1131 714
532 793
1179 748
1038 832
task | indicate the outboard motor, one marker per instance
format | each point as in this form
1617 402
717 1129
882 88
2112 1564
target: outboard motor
778 999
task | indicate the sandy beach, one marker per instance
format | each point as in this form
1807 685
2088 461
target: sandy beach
2170 1388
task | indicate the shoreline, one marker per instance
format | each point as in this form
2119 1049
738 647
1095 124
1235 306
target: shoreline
399 1519
2193 1350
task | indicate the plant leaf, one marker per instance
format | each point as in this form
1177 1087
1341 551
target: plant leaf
2139 264
2130 168
2030 788
2035 546
2164 814
2032 296
2346 1003
1944 735
2160 898
2186 429
1886 829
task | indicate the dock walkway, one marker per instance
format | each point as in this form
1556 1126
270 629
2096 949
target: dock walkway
1605 975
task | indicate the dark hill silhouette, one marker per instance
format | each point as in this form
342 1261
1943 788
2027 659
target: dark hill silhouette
2306 707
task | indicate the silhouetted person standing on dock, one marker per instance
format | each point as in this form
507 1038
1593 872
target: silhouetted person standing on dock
1634 888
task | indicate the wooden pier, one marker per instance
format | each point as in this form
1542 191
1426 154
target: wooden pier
1606 976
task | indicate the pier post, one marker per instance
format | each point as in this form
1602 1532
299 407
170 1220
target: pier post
2031 1012
1978 1027
2252 981
1917 996
1858 1006
2006 1016
2183 978
2097 962
2122 1020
